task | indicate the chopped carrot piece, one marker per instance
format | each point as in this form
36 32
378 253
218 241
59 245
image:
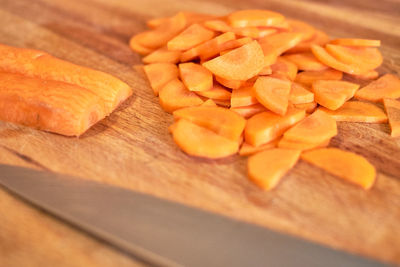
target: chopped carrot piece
240 64
219 120
194 35
392 108
333 94
174 95
138 48
289 144
254 17
267 126
356 111
162 55
217 92
281 27
308 107
195 77
266 71
233 84
284 69
356 42
387 86
206 54
263 32
273 94
217 25
249 111
319 38
223 103
300 95
209 103
268 167
159 74
307 31
316 128
347 165
201 142
369 75
306 61
247 149
308 77
243 97
155 22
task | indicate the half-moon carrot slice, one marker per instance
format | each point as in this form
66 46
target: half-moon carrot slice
201 142
273 94
240 64
206 54
209 103
174 95
319 38
266 168
195 77
306 61
300 95
307 31
219 120
137 47
333 94
308 77
284 69
267 126
247 149
387 86
392 108
249 111
356 42
254 17
243 97
162 55
159 74
193 35
217 92
357 111
307 107
316 128
343 164
289 144
369 75
218 25
232 84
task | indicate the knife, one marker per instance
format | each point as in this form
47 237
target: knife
164 233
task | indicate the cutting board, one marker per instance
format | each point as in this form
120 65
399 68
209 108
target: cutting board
133 149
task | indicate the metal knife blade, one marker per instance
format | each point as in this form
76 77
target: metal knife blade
162 232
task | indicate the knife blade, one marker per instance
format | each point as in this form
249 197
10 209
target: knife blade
162 232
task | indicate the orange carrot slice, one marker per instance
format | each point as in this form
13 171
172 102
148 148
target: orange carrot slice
268 167
306 61
218 25
232 84
387 86
273 94
217 92
307 31
195 77
201 142
209 103
369 75
356 111
174 95
319 38
300 95
266 71
137 47
249 111
254 17
392 108
223 103
247 149
284 69
333 94
159 74
308 107
289 144
193 35
240 64
206 54
356 42
219 120
343 164
316 128
267 126
162 55
308 77
243 97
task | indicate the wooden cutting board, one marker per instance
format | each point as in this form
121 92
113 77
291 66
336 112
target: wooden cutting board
133 149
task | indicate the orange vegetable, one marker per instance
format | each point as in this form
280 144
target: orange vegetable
273 94
308 77
289 144
247 149
333 94
218 25
174 95
195 77
223 103
392 108
343 164
319 38
249 111
266 71
369 75
219 120
387 86
162 55
201 142
254 17
356 111
306 30
267 126
284 69
233 84
300 95
209 103
356 42
217 92
240 64
137 47
194 35
308 107
243 97
268 167
159 74
306 61
206 54
316 128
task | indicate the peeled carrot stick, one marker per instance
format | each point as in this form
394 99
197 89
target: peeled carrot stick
289 144
273 94
267 126
387 86
217 92
343 164
284 69
243 97
319 38
249 111
356 42
47 105
369 75
219 120
276 44
201 142
37 64
162 55
194 35
254 17
174 95
333 94
356 111
306 30
247 149
308 107
308 77
209 103
240 64
392 108
268 167
195 77
137 47
159 74
300 95
306 61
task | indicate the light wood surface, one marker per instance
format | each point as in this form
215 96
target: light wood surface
133 149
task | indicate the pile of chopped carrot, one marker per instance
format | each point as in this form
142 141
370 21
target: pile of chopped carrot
261 85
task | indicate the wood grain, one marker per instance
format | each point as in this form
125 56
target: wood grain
132 147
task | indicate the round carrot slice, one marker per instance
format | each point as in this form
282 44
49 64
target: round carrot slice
254 17
356 42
